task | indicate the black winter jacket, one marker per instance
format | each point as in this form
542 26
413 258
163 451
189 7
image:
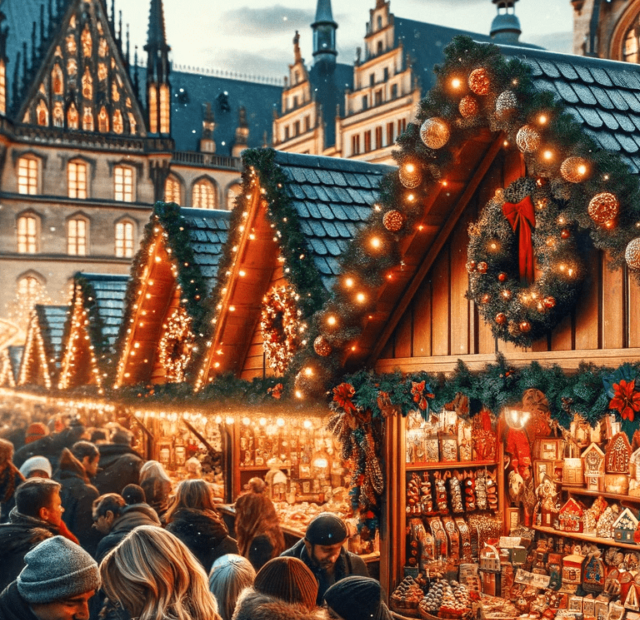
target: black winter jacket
13 606
49 446
119 466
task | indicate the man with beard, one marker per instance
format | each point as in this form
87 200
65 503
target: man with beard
322 551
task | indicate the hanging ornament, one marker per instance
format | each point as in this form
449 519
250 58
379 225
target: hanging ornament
502 277
468 106
528 139
632 254
514 329
486 298
482 267
321 346
409 175
525 326
603 207
435 133
549 301
506 104
574 169
393 220
507 294
479 82
565 233
471 266
501 318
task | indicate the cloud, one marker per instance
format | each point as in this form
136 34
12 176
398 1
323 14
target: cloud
267 63
554 41
275 19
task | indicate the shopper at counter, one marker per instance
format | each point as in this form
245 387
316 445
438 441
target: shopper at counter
322 551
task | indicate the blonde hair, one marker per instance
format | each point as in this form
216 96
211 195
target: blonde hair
154 576
153 469
196 494
230 575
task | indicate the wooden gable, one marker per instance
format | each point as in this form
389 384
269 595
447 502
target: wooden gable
572 507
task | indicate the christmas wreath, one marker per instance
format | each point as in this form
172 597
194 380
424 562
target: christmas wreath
280 326
176 343
502 266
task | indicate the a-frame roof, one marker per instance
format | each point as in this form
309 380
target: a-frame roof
8 367
15 356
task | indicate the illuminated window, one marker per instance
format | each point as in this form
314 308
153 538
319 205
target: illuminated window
102 71
118 124
87 119
77 179
132 124
153 109
630 51
115 93
29 292
172 190
27 234
77 237
57 80
28 175
71 44
232 193
103 121
87 84
58 114
3 88
165 109
204 195
42 114
102 48
86 42
72 67
124 239
72 116
123 176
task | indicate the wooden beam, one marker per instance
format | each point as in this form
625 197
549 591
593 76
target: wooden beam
435 248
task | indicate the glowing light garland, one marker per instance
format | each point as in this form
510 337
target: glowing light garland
176 344
34 348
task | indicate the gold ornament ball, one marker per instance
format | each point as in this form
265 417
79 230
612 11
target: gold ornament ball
565 233
632 254
549 302
471 266
479 82
603 207
468 106
501 318
525 326
435 132
410 176
506 104
393 220
321 346
574 169
528 139
482 267
507 294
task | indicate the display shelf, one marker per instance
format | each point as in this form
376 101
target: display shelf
256 468
615 496
587 537
449 465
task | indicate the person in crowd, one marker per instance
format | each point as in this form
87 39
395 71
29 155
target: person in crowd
322 551
57 582
156 485
10 479
36 431
120 464
51 446
134 494
152 575
195 521
17 430
354 597
257 525
114 519
99 436
36 467
78 494
230 575
284 589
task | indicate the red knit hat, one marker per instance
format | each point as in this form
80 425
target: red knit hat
288 579
36 431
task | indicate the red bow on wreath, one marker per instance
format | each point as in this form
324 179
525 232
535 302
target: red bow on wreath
417 391
626 400
343 395
522 215
276 390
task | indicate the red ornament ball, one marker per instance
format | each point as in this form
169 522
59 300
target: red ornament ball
603 207
471 266
479 82
321 346
501 318
482 267
549 302
502 277
393 220
565 233
486 298
525 326
468 107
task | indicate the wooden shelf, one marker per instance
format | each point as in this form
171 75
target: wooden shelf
449 465
619 498
588 537
255 468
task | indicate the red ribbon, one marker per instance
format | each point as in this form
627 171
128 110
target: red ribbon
522 216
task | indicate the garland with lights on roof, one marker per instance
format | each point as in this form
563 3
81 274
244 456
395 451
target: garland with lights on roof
478 89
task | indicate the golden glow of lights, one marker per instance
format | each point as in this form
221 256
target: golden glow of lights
263 421
308 371
542 119
349 282
331 320
375 242
246 421
548 155
307 424
299 394
242 273
456 82
280 422
361 298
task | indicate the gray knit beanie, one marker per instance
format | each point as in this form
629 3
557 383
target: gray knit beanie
55 570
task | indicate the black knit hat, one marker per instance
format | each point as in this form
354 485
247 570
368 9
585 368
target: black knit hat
288 579
326 529
357 598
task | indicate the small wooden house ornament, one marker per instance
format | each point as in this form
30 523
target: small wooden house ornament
570 517
634 467
632 601
625 526
572 566
593 464
618 455
594 574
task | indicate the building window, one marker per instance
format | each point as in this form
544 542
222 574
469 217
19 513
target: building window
402 125
42 114
394 91
118 125
355 144
172 190
203 195
27 234
124 239
389 133
307 123
286 132
379 22
296 128
232 193
30 292
77 179
124 186
379 137
372 79
103 121
87 119
379 96
77 237
58 114
386 74
153 109
87 84
132 124
365 102
72 116
630 51
165 109
380 48
3 88
57 80
85 39
295 102
28 175
367 141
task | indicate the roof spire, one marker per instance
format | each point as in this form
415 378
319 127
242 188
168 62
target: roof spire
296 47
324 34
156 47
156 34
505 27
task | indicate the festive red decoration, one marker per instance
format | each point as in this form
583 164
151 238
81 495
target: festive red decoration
276 391
417 391
549 302
525 326
501 318
393 220
321 346
342 395
625 400
482 267
565 233
479 82
522 216
502 277
486 298
518 448
468 106
603 207
471 266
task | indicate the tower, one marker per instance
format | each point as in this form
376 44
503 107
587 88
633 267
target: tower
158 86
505 27
324 34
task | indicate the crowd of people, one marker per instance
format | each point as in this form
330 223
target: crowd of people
90 531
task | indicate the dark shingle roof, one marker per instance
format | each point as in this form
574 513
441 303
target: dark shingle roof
333 198
110 292
602 95
52 320
15 357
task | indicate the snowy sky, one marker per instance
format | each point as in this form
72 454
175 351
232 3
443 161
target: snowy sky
255 36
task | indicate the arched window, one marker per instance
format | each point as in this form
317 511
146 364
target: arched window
72 116
58 114
30 292
77 233
102 48
28 175
132 124
102 71
153 109
3 87
72 67
71 44
86 41
103 121
77 179
87 84
87 119
42 113
28 234
631 45
124 183
165 109
172 190
124 239
203 195
115 93
57 80
232 193
118 124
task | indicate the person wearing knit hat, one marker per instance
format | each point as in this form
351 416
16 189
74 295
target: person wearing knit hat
57 582
322 551
36 467
35 431
357 598
229 576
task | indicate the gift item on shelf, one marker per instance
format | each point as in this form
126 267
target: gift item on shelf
572 471
604 527
625 526
572 573
406 597
593 464
457 504
594 574
592 515
571 516
442 497
618 455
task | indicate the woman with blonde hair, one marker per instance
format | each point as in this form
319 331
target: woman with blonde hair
194 519
230 575
157 486
153 576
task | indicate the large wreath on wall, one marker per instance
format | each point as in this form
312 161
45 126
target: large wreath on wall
280 326
176 343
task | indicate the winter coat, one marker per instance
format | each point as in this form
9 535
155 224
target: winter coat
13 606
204 532
347 564
49 446
132 516
10 480
157 492
252 605
119 466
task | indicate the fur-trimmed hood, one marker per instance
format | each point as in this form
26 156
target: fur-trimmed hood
252 605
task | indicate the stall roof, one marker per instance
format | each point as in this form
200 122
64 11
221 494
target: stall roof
15 356
52 320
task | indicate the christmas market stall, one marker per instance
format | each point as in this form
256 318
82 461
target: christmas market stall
10 358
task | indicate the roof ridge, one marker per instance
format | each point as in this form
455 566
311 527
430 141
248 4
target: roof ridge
331 163
206 213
